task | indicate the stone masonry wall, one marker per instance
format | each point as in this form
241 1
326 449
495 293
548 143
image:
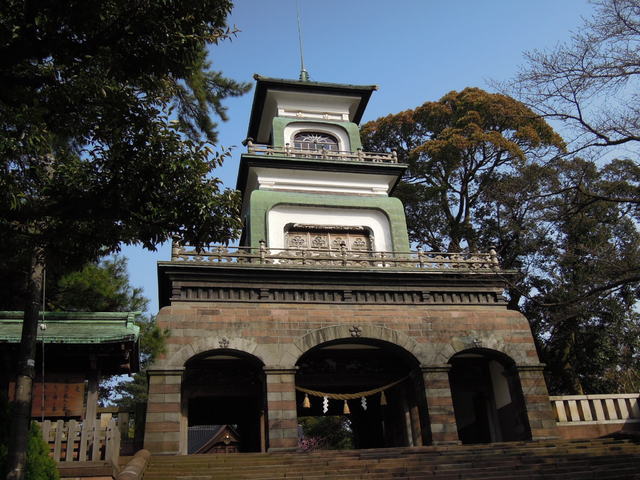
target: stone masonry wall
278 334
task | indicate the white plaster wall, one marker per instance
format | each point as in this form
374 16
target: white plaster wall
282 215
293 128
500 384
314 105
315 181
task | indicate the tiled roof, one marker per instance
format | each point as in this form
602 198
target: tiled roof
74 327
201 434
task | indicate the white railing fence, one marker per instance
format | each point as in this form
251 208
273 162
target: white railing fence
594 409
73 441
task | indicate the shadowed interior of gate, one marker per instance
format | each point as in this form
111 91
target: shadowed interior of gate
226 387
362 365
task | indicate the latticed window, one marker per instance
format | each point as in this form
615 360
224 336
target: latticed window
328 238
315 141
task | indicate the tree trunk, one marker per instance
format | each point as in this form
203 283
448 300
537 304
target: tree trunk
21 414
571 378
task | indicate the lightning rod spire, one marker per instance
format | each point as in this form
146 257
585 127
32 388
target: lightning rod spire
304 75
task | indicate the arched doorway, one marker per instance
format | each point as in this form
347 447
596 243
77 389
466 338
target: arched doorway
487 397
224 388
353 366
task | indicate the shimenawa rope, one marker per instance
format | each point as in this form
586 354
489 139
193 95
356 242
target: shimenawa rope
350 396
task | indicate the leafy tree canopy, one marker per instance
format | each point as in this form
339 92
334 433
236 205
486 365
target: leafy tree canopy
105 111
105 138
486 170
99 287
583 292
455 147
591 278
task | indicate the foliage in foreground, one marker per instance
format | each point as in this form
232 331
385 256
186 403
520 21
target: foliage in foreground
326 433
40 466
106 138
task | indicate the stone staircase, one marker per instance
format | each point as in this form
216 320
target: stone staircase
562 460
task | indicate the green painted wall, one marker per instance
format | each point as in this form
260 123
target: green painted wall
279 124
262 201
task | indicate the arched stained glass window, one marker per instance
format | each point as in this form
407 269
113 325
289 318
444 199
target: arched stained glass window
315 141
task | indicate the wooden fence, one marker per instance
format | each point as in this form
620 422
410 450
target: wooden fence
77 442
130 423
596 409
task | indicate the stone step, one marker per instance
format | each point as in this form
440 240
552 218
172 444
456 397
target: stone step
275 463
602 459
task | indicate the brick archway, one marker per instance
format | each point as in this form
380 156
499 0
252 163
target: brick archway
343 359
487 397
205 344
317 337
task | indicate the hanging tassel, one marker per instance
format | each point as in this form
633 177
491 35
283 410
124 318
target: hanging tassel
306 403
346 410
383 399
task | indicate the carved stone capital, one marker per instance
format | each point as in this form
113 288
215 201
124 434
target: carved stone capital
439 368
165 372
279 370
535 367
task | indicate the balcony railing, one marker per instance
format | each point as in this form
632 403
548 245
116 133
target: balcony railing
419 259
596 409
323 154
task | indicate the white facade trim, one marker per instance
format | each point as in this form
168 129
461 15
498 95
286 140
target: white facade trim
316 106
282 215
322 182
340 117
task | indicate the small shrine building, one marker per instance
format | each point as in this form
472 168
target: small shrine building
75 350
324 308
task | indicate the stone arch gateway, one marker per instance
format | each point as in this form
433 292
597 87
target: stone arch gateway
282 310
377 382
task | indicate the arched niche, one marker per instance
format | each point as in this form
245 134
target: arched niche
223 387
487 397
388 408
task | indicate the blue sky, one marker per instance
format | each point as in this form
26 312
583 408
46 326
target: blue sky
414 50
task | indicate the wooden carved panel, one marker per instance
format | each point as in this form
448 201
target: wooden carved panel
328 238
